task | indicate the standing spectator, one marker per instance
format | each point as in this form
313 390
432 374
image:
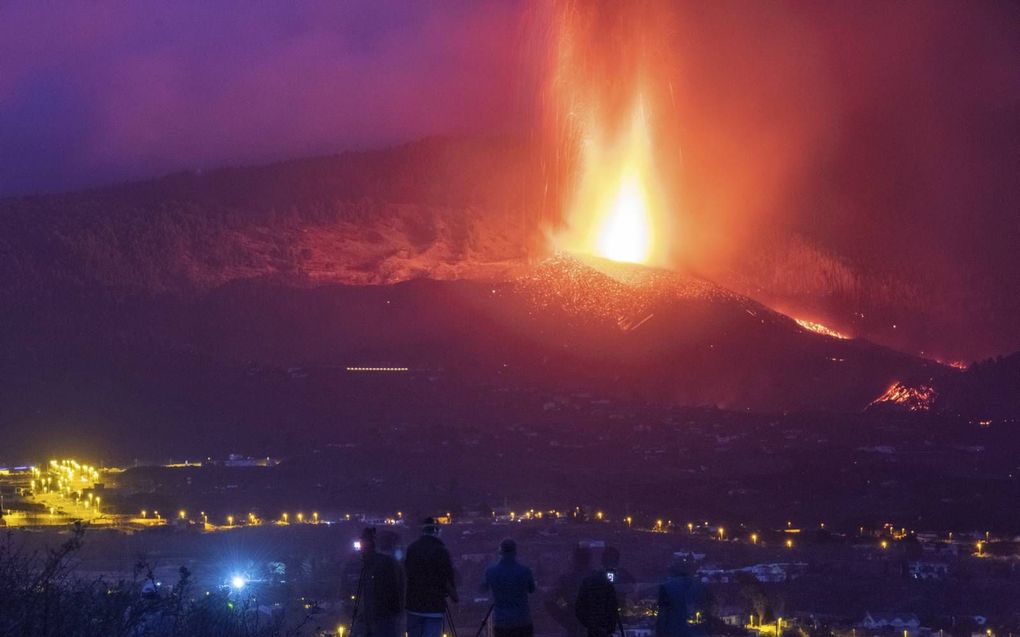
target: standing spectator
510 584
560 604
597 606
430 581
676 596
380 591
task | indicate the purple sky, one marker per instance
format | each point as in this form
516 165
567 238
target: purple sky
101 91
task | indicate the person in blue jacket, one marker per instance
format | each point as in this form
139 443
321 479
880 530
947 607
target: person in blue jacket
510 584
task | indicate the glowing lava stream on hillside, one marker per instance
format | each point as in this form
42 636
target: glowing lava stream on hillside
818 328
616 211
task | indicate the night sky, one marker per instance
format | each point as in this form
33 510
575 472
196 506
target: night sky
884 135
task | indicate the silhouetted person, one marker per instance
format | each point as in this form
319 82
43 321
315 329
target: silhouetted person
510 583
381 587
677 596
598 607
623 580
560 604
430 581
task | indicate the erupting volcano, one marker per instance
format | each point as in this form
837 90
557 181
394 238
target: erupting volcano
586 255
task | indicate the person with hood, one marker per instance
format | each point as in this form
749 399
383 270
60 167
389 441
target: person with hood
510 584
430 581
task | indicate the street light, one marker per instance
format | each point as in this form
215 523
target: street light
230 520
754 538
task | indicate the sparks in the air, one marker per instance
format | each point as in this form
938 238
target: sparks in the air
616 210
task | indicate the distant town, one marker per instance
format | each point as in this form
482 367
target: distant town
802 577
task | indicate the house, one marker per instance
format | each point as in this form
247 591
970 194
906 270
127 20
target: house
928 570
688 556
895 621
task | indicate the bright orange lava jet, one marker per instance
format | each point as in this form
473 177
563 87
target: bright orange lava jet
616 208
604 100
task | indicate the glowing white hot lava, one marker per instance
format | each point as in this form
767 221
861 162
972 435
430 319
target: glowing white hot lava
626 233
617 210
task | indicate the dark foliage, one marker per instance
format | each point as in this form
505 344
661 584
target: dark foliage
41 596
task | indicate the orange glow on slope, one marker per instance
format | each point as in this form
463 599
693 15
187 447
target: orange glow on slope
818 328
616 210
919 398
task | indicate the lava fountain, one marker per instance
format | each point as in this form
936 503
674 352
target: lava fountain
603 100
615 211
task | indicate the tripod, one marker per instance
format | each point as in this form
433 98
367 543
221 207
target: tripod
485 620
449 620
357 595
